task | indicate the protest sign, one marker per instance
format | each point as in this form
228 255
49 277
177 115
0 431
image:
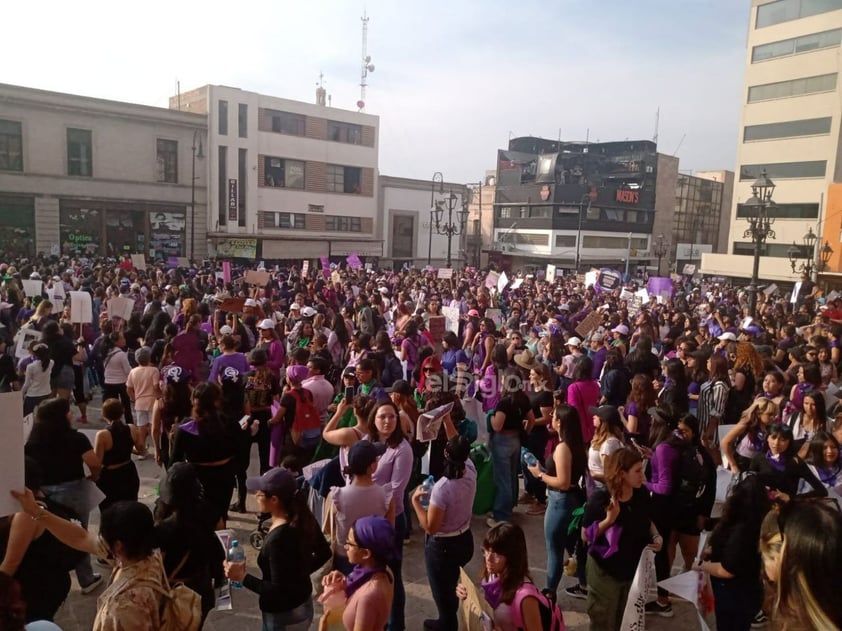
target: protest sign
591 322
451 318
335 277
660 286
491 280
226 271
305 267
517 283
57 290
590 278
550 274
436 326
11 451
445 273
796 289
121 307
354 261
642 591
32 288
232 305
81 309
23 339
172 261
608 280
256 277
502 282
496 316
139 261
771 288
325 261
474 612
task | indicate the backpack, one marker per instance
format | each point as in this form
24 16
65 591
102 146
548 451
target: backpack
692 476
551 617
306 424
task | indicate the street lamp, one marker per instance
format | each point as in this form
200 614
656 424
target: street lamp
825 253
449 228
197 153
586 199
810 247
659 249
759 227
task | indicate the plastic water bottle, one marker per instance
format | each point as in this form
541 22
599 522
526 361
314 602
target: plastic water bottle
427 487
528 457
236 555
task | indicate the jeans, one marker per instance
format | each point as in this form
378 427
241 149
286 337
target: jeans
396 616
735 602
560 507
505 457
298 619
444 557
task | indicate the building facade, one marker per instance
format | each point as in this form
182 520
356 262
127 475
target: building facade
288 180
702 216
480 229
409 234
575 205
789 126
85 176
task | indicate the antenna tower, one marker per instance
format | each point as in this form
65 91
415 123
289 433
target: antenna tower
366 65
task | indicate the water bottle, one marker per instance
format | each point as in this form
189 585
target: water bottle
527 457
427 487
236 555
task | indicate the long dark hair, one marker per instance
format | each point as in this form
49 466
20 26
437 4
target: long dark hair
508 540
815 455
747 505
42 354
51 422
570 433
206 399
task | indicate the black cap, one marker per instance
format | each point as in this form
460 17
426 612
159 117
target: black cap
607 413
401 387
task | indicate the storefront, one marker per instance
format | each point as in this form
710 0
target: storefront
17 226
233 248
102 228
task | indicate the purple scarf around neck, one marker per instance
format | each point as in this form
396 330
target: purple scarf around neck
359 576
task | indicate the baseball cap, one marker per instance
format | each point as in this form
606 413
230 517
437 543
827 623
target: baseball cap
401 386
276 482
574 341
295 306
727 337
226 330
622 329
363 454
350 371
607 413
266 324
473 313
308 312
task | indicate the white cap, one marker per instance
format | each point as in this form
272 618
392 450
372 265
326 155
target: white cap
294 306
574 341
622 329
250 302
727 337
225 330
266 324
308 312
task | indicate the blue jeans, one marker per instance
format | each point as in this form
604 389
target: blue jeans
560 507
505 458
396 616
444 557
298 619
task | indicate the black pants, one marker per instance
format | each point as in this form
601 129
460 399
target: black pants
119 391
444 557
262 438
663 518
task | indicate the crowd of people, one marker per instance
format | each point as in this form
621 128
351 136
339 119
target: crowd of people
606 415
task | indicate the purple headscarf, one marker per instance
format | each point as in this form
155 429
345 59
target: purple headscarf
377 535
297 373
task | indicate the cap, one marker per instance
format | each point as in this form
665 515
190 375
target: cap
276 482
226 330
250 302
622 329
294 306
350 371
401 387
308 312
231 374
574 341
182 484
727 337
597 337
473 313
266 324
176 374
363 454
607 413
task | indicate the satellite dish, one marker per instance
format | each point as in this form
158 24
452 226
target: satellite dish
360 104
370 67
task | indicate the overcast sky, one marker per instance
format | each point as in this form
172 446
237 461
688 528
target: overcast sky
452 78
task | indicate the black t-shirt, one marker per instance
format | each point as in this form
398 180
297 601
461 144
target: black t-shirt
60 458
286 571
634 518
737 550
516 407
205 445
61 352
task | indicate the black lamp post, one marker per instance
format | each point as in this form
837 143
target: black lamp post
584 207
659 249
824 256
759 227
450 229
197 153
794 254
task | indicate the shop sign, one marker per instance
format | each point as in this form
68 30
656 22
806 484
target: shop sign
237 248
232 200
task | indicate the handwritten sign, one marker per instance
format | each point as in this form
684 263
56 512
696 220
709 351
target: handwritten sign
436 325
256 277
81 309
445 273
589 324
139 261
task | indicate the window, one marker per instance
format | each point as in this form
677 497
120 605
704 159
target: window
280 173
11 146
775 250
565 241
541 211
242 165
784 170
795 87
315 208
243 120
222 184
530 239
344 132
341 179
167 161
223 118
788 129
288 221
613 243
506 212
785 211
796 45
787 10
281 122
334 223
79 152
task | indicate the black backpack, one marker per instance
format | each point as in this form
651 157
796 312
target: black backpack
692 474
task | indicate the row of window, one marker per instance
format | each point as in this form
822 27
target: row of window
592 214
297 221
784 170
796 45
788 129
775 250
783 211
569 241
80 152
285 173
791 88
787 10
292 124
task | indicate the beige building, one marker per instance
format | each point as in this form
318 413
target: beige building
80 175
480 228
789 126
287 180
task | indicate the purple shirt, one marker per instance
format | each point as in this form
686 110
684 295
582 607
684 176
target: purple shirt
455 498
394 469
234 360
663 469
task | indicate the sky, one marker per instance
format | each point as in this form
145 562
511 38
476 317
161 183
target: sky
452 80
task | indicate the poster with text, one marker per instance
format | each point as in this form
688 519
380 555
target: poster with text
354 261
81 309
550 274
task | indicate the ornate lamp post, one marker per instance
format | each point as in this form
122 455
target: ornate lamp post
794 253
759 227
449 228
659 249
196 148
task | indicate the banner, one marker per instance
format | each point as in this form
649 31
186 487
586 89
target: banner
233 200
237 248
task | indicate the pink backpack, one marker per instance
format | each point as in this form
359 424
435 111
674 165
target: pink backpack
551 618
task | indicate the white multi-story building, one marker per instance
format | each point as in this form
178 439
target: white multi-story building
789 126
287 180
81 175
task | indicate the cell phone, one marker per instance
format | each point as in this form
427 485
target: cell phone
244 421
349 394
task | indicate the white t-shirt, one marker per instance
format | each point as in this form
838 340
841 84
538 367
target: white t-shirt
595 455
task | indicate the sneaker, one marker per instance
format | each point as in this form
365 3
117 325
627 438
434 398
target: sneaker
656 608
760 620
537 509
491 522
577 591
97 580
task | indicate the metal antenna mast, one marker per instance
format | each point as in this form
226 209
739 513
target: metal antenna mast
367 66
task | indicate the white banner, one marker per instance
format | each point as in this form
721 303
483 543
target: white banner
643 590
